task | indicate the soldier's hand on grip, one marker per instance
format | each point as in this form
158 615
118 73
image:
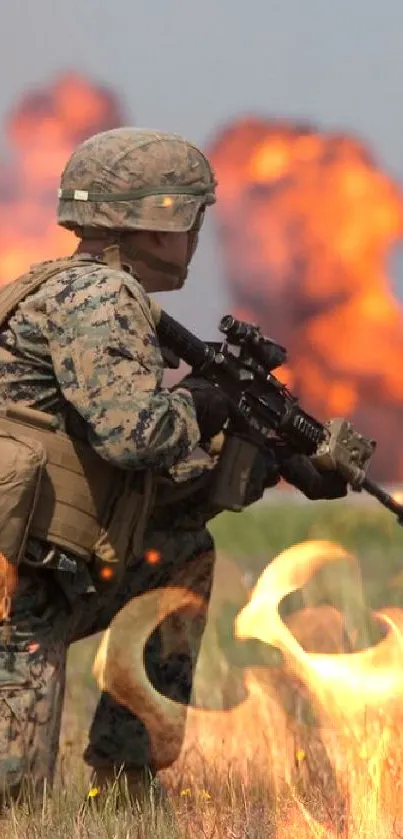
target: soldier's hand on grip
298 470
265 475
211 405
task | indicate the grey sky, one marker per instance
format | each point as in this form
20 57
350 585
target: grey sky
191 66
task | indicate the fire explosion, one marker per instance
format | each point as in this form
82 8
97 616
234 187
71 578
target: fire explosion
306 223
42 130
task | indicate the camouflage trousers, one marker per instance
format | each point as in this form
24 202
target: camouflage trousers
45 621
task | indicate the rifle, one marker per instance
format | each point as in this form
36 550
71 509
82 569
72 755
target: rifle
263 410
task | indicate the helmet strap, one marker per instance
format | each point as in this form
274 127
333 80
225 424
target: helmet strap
153 262
111 256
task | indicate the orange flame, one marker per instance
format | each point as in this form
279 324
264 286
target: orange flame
357 696
324 722
43 129
8 583
152 556
306 222
107 573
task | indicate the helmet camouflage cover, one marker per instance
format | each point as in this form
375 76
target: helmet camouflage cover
135 179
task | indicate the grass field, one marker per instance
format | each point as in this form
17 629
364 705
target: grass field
250 540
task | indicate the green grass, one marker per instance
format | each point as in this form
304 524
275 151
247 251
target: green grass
266 530
256 536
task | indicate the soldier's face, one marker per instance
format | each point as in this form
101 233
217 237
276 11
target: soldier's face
176 250
181 247
162 259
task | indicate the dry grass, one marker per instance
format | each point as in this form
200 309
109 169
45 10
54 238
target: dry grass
221 811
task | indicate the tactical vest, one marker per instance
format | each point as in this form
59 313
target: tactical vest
57 489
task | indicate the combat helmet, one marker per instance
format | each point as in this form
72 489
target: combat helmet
135 179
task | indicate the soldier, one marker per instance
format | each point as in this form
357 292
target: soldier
78 342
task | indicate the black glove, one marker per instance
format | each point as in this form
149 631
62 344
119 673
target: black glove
265 474
211 405
298 470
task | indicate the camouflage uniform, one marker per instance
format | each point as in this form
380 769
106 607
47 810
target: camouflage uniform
84 348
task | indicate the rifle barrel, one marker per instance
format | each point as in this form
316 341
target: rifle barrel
384 498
